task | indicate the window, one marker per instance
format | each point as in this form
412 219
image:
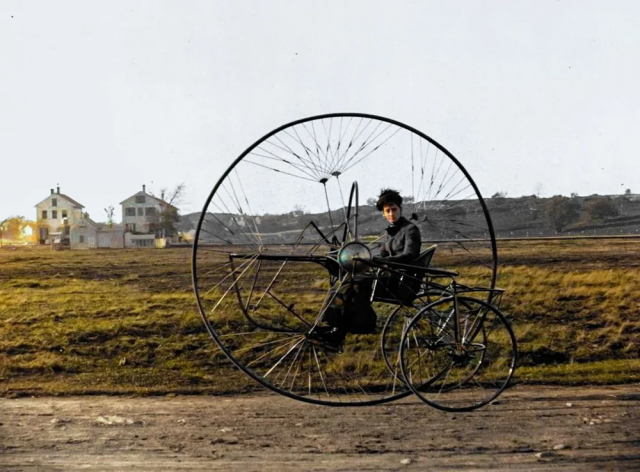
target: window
140 211
44 214
67 230
140 199
150 211
130 211
64 213
131 227
54 214
81 238
143 242
54 202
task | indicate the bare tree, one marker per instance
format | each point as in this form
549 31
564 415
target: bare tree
109 211
169 217
175 196
299 209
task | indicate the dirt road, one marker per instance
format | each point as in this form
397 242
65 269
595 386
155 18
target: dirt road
530 428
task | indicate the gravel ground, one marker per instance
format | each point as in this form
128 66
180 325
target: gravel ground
529 428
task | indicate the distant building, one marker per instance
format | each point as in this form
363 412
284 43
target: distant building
61 221
55 215
87 234
141 216
30 232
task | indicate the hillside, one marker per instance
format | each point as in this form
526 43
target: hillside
529 216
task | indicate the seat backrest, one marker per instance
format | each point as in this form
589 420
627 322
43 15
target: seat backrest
424 259
406 288
409 284
421 262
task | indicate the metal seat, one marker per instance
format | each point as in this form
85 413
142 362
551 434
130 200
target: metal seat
403 290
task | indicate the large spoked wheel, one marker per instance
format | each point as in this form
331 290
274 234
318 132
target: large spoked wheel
265 258
458 373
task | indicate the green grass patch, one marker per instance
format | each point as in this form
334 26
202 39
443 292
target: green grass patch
126 321
589 373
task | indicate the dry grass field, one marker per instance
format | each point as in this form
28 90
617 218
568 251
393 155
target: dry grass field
126 321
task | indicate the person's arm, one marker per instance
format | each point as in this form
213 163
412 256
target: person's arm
411 251
380 250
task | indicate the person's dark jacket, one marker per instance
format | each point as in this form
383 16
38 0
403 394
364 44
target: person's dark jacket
402 244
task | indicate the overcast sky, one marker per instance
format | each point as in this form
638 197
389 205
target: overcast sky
102 97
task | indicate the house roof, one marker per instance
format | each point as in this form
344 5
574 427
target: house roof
86 220
90 220
141 193
105 227
62 195
98 226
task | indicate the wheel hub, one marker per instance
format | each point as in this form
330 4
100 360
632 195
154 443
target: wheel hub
350 253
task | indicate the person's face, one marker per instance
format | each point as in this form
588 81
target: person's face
391 212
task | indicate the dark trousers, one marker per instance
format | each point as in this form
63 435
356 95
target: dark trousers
351 308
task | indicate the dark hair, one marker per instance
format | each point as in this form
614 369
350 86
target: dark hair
388 196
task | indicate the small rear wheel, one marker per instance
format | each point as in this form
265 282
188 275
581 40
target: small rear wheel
458 373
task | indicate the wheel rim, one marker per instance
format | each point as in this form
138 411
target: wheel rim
458 375
263 271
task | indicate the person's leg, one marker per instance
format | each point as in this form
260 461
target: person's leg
360 318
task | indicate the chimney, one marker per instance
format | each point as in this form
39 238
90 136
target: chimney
144 188
51 191
58 189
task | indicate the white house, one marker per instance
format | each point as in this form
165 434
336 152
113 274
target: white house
141 214
55 215
87 234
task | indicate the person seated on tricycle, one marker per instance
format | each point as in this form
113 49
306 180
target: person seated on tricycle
351 310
